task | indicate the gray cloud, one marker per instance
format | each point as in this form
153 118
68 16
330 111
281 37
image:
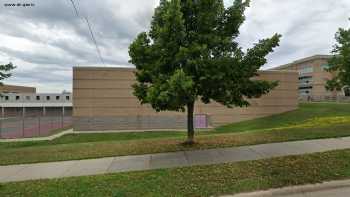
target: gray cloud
307 26
46 40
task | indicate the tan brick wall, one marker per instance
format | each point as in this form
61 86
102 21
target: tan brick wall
319 76
103 100
16 89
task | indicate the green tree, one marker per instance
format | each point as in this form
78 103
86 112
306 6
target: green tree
5 71
339 64
191 53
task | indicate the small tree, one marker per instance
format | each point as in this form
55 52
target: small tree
339 64
191 53
5 71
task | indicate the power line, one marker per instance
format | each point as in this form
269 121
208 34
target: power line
90 30
94 40
75 8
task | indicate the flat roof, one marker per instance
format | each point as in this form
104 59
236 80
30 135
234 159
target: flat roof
134 69
16 88
102 68
314 57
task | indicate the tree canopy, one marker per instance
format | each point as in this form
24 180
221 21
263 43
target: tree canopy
339 64
5 71
191 52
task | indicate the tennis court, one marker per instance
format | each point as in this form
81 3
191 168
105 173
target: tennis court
27 127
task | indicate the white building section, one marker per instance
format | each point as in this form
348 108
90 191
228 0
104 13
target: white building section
35 100
25 102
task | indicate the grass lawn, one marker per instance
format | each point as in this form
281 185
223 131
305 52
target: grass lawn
306 112
211 180
311 121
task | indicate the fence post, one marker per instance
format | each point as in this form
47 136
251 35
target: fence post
1 126
51 123
39 125
22 127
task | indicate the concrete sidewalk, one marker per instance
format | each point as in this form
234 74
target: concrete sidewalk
327 189
48 138
167 160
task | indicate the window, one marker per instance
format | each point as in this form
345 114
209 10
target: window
305 70
67 98
346 91
48 98
38 98
304 92
57 97
17 98
325 66
6 98
306 80
27 98
305 77
305 88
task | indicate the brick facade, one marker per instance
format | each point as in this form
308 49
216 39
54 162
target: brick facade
103 100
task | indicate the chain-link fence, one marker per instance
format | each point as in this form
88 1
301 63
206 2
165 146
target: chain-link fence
28 127
341 99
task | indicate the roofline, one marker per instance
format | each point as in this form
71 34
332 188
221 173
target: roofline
128 69
102 68
38 94
314 57
17 86
280 67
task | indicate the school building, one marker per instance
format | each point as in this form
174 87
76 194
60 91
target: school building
103 100
313 78
21 101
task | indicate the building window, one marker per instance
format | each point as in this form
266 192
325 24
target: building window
305 77
325 67
346 91
48 98
17 98
305 88
305 81
67 98
6 98
38 98
304 92
27 98
57 97
306 70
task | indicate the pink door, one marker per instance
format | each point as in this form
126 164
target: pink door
201 121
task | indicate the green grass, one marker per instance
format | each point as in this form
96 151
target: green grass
210 180
97 137
305 112
311 121
76 151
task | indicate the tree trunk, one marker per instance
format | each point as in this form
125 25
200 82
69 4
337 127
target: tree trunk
190 127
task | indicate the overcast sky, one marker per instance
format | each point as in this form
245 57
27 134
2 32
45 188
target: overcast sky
46 40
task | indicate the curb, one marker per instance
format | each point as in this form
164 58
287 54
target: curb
296 189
